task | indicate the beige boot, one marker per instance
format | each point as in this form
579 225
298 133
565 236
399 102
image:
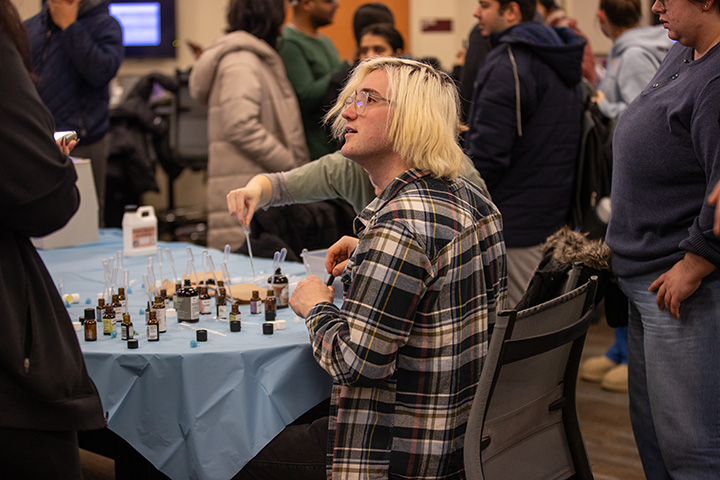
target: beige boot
594 369
616 380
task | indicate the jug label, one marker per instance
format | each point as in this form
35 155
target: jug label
143 237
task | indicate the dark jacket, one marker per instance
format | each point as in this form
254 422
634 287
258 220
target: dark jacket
75 66
525 127
44 384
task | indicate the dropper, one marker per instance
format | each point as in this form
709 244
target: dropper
226 277
247 237
172 264
191 265
211 266
160 263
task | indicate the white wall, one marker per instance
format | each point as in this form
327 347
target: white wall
204 20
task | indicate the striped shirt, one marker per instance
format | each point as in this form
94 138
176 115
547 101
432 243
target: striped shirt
406 348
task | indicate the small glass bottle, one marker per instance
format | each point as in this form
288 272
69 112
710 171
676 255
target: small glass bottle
255 302
123 300
116 306
221 304
234 312
108 320
270 306
164 296
159 308
100 309
90 325
279 284
178 286
126 327
153 333
205 301
188 305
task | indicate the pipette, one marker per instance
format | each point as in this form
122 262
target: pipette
191 264
226 277
247 237
160 263
226 253
211 266
151 278
172 264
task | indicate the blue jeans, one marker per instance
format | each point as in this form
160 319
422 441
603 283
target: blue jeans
674 380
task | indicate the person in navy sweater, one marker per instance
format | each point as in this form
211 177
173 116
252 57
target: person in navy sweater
664 253
76 50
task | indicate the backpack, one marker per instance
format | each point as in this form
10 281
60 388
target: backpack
590 208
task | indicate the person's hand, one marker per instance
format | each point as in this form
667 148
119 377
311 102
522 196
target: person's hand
598 97
681 281
714 199
338 254
63 12
66 146
308 293
243 202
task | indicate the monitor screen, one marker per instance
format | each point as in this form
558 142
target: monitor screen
148 27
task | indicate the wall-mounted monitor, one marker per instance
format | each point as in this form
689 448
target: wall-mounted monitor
148 27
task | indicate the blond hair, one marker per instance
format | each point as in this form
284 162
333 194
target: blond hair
425 126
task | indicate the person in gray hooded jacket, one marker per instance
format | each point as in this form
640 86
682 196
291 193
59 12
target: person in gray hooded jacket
634 57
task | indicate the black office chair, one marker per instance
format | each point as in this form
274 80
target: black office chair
523 421
184 146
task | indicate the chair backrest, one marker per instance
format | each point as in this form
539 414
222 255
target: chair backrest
188 128
523 421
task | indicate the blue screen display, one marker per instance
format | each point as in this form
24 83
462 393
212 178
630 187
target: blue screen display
140 23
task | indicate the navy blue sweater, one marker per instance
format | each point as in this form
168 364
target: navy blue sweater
528 165
74 67
666 152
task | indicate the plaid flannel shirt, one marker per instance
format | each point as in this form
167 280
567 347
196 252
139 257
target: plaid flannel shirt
406 349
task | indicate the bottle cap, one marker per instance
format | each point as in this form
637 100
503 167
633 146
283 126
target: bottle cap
235 326
132 343
170 314
268 328
201 335
89 314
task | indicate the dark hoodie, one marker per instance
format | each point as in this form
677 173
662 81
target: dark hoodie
44 384
525 127
74 67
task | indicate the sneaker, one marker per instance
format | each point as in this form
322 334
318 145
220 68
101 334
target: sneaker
616 380
594 369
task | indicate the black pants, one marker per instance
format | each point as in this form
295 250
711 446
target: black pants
297 453
33 454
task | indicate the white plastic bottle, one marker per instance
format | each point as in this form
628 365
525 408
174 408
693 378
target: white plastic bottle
139 227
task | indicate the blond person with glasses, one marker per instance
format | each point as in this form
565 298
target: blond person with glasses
422 282
665 254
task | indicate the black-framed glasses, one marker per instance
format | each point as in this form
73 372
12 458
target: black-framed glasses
361 99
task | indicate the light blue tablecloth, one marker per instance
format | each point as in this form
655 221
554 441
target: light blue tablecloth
202 412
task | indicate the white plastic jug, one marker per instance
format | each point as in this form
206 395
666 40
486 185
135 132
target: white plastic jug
139 227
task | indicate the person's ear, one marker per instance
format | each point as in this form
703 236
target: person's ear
512 13
602 17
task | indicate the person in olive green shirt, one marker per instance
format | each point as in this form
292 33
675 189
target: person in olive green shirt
332 176
310 60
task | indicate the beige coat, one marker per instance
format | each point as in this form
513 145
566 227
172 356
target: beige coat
254 123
